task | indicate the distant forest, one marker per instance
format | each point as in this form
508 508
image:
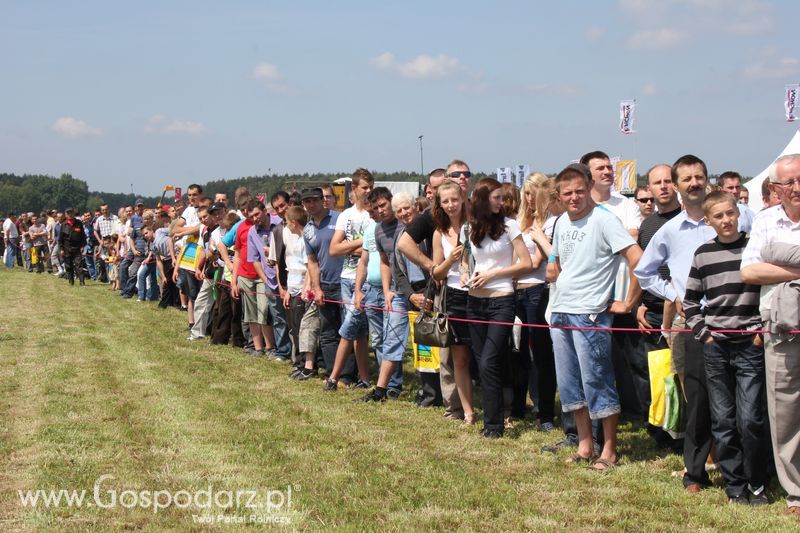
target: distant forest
39 192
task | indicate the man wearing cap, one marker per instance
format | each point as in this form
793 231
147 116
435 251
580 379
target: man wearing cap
71 241
587 246
324 271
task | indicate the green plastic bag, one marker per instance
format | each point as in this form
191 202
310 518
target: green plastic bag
675 411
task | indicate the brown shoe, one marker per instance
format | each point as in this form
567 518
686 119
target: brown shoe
694 488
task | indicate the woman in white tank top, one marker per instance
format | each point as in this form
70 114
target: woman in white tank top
449 213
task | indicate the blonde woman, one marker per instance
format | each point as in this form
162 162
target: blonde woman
539 208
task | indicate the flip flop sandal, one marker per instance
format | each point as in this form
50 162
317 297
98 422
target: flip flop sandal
608 466
578 459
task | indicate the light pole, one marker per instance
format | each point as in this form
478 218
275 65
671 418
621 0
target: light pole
421 164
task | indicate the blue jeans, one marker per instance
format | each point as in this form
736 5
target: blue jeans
736 391
144 272
584 370
538 346
88 256
330 316
122 274
373 297
354 323
11 252
395 338
283 342
490 343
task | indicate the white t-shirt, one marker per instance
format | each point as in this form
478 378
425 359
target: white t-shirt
538 275
352 221
189 215
296 260
588 251
454 274
625 209
496 254
631 217
10 229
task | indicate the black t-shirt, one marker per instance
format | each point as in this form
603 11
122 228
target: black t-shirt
649 227
422 228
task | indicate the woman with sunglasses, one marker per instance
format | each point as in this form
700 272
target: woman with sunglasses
495 242
449 214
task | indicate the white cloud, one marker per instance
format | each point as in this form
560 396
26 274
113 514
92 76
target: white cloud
266 71
649 88
423 66
657 38
773 67
163 124
72 127
270 78
696 18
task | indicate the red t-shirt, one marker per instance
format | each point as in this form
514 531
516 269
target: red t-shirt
246 268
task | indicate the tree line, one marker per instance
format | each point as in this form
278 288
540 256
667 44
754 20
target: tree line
37 192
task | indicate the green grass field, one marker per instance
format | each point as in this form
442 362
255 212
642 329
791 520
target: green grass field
92 385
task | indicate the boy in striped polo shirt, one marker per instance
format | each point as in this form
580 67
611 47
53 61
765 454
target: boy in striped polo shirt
734 362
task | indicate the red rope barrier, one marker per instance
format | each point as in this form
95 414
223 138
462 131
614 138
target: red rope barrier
544 326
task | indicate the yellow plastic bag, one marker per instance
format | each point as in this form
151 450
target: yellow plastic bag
659 363
426 358
34 256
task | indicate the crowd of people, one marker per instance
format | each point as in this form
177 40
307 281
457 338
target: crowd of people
597 280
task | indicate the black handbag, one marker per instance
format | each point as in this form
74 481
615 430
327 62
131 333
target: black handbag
430 327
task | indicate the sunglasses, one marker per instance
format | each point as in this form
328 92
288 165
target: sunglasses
460 173
649 200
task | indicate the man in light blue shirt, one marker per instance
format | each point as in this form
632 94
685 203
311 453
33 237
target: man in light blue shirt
674 245
587 245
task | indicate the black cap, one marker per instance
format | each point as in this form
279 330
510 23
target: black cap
314 192
216 206
139 201
580 167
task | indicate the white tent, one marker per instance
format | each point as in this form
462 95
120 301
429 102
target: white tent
754 185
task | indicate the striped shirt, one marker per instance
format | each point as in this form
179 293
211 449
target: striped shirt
729 303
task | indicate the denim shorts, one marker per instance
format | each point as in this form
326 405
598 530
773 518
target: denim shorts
354 323
584 369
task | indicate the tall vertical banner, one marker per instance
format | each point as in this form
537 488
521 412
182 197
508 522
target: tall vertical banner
521 172
625 176
627 109
505 175
177 194
790 101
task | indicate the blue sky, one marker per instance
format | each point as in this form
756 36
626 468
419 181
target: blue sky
156 93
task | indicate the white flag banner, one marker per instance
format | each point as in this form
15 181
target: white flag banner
627 108
522 171
505 174
790 102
